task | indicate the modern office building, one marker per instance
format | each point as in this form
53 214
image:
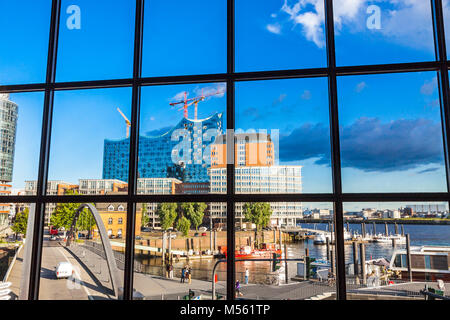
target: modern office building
255 173
100 186
183 152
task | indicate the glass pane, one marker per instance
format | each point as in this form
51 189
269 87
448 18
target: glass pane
21 125
391 133
24 45
376 258
282 137
299 236
184 37
86 123
83 252
175 142
192 241
271 35
15 219
96 40
383 32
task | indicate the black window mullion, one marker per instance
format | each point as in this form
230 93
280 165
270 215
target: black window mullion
231 241
36 253
134 151
335 151
443 80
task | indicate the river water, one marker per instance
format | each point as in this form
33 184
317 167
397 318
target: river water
437 235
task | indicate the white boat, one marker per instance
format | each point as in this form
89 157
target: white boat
399 239
321 238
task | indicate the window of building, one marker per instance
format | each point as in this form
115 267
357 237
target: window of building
339 106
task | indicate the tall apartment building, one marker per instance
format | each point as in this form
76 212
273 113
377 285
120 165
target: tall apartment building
8 124
255 172
183 152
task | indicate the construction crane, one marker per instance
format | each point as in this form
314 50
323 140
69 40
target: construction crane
128 123
193 101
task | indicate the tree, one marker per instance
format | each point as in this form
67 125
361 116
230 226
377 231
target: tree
184 225
194 211
167 213
258 213
64 213
21 222
145 220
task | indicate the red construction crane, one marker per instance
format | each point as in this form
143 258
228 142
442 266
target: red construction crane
193 101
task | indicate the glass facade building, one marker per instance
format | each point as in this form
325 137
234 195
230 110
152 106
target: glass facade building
184 152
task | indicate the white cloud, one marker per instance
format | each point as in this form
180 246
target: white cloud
178 97
428 87
306 95
274 28
407 22
360 86
219 88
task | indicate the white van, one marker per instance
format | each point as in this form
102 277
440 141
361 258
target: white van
63 270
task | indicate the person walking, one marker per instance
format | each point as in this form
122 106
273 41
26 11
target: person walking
247 273
189 273
238 289
183 274
170 271
167 270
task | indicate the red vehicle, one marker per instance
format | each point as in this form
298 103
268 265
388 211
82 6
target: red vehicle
53 231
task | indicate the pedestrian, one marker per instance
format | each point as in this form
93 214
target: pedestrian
189 272
171 271
183 273
247 273
167 270
238 289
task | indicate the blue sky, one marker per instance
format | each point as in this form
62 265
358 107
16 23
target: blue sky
389 123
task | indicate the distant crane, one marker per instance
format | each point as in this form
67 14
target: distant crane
193 101
128 123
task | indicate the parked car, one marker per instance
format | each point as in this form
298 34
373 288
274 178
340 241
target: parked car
138 238
64 270
203 234
202 229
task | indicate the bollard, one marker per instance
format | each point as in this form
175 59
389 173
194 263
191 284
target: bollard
408 254
327 241
332 263
363 262
403 231
355 260
286 264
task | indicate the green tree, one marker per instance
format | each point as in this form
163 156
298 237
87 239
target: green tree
194 211
184 225
167 213
258 213
145 220
64 213
21 222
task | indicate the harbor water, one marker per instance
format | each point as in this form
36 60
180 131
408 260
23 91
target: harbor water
420 235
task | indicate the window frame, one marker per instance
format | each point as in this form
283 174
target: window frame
441 66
